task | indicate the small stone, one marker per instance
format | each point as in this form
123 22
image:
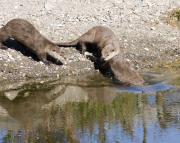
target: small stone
23 75
128 60
152 28
57 68
16 7
146 49
26 94
42 82
41 62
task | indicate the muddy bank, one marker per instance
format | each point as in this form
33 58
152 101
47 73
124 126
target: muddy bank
145 38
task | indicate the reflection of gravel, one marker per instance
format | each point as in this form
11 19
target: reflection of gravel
145 38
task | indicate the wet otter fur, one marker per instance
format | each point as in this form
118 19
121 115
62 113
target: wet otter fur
122 71
26 34
100 37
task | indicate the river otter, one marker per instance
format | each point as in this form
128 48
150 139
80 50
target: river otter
122 71
25 33
100 37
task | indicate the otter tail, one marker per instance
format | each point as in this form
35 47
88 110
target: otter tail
68 44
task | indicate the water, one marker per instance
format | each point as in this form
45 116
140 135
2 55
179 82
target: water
89 111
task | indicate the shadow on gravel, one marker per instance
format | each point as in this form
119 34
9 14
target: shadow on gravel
13 44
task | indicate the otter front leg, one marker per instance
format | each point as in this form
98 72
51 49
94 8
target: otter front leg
43 57
83 47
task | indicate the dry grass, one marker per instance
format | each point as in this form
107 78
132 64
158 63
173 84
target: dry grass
174 18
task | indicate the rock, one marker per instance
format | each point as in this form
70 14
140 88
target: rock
152 28
11 95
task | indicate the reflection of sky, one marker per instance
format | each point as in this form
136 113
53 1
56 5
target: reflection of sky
150 89
2 134
116 134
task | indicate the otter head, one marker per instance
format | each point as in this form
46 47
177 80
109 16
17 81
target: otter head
109 51
124 72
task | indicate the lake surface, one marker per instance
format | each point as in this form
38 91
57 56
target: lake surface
91 110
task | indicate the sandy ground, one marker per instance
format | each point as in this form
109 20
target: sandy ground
146 39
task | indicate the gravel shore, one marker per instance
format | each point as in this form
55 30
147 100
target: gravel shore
145 38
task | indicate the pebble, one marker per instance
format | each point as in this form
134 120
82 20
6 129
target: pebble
152 28
146 49
58 75
41 63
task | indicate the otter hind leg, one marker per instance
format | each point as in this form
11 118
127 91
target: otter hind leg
43 57
3 37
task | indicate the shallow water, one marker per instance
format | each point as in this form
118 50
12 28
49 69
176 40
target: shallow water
73 111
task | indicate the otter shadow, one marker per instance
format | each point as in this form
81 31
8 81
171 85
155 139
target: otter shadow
13 44
95 53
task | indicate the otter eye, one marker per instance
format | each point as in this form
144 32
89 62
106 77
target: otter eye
112 50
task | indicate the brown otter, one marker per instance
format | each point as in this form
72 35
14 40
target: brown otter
25 33
102 37
122 71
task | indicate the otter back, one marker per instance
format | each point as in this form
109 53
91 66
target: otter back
104 39
25 33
